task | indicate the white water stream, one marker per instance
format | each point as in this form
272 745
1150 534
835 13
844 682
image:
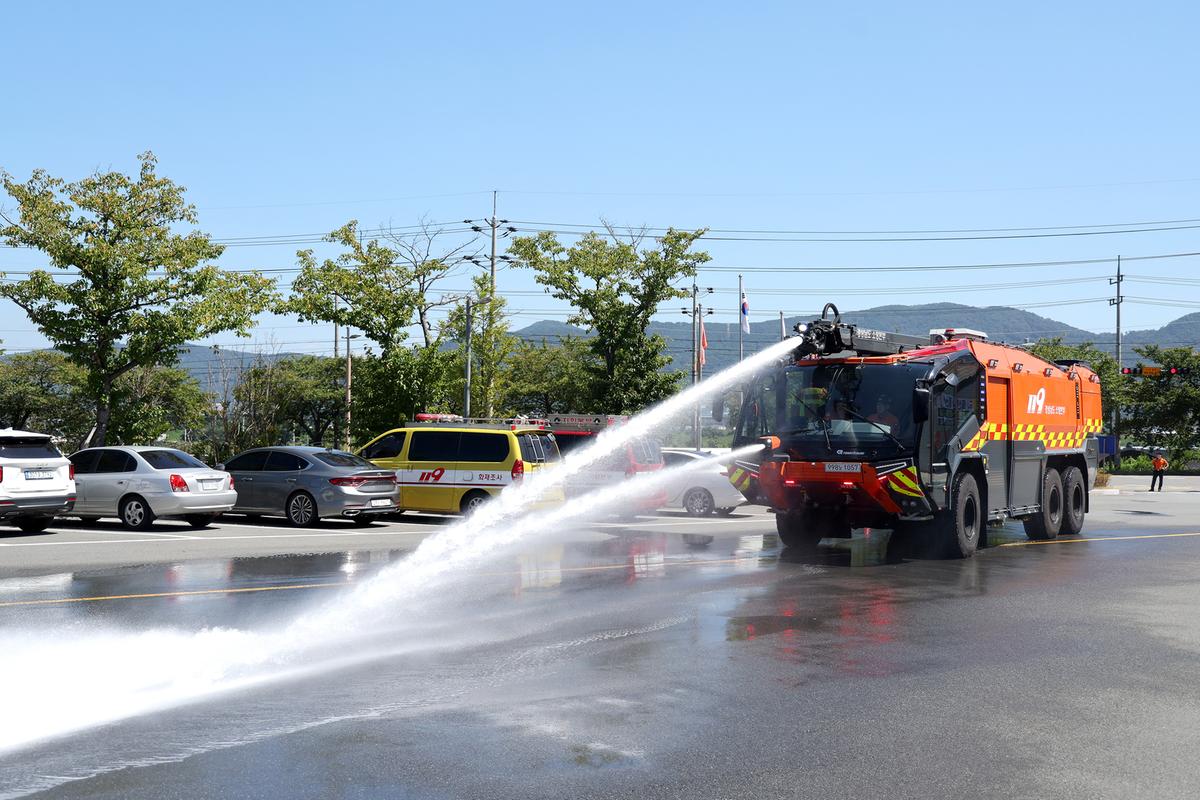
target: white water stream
62 681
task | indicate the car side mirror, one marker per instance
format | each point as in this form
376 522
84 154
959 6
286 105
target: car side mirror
920 404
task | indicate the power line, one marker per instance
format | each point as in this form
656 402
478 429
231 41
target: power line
896 239
656 228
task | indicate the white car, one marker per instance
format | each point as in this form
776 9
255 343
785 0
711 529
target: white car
36 481
704 490
139 484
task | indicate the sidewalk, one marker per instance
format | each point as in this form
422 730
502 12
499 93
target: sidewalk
1133 484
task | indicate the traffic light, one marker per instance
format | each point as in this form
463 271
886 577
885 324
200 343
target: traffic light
1131 370
1177 370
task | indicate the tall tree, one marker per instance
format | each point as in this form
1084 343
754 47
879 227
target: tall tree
1164 411
150 402
615 287
491 345
366 287
544 379
126 290
44 391
1113 386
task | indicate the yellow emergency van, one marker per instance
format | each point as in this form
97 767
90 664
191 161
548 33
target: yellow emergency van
451 465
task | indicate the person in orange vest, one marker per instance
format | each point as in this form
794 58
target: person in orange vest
1159 465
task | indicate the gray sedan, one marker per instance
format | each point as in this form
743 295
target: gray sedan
305 484
139 484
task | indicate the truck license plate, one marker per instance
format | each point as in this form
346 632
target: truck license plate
381 501
842 466
39 474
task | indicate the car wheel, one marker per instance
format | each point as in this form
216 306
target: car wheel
473 501
136 514
726 511
33 524
301 510
698 502
201 520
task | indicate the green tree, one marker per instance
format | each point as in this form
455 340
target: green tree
366 287
544 379
132 290
615 288
491 345
1113 385
1164 411
43 391
149 402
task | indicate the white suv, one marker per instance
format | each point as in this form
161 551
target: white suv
37 482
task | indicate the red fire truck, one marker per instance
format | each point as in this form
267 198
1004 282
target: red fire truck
640 456
932 437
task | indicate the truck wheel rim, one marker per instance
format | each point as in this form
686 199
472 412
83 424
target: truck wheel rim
134 513
970 519
301 509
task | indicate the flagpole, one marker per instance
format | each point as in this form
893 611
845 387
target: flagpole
782 327
741 300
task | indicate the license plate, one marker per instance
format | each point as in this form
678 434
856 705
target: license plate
381 501
842 466
210 486
39 474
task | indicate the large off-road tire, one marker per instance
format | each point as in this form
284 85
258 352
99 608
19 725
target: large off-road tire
33 524
301 510
698 502
135 513
1046 524
1074 501
962 525
803 530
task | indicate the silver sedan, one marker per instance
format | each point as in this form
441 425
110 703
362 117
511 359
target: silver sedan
304 484
140 484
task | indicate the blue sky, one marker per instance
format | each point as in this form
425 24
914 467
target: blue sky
293 119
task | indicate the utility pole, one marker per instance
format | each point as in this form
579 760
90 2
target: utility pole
697 371
467 347
349 378
1116 412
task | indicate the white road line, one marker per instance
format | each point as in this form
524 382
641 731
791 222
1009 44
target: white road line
212 538
636 525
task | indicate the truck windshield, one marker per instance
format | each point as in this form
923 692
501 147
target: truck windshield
821 410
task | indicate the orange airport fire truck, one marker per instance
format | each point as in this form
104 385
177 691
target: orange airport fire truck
933 436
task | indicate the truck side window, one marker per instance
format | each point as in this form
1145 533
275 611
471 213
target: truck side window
953 407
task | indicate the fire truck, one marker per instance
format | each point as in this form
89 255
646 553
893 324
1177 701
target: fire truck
933 437
639 457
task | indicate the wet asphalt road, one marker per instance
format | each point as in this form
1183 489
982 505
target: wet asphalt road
619 661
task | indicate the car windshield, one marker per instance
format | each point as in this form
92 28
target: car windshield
171 459
338 458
